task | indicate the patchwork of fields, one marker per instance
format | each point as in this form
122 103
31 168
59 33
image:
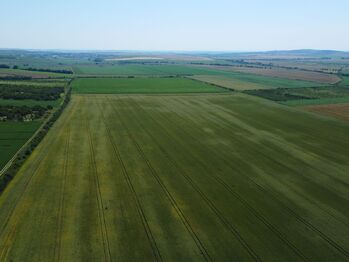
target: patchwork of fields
181 178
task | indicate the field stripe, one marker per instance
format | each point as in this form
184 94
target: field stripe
150 236
338 247
101 215
180 213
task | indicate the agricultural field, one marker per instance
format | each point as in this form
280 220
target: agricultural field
297 94
139 69
142 86
13 136
340 111
288 74
243 81
216 177
30 102
31 74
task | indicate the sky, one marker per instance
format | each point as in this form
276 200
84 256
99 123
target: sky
178 25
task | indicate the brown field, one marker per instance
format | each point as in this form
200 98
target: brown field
287 73
340 111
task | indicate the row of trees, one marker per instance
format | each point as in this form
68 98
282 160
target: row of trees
46 70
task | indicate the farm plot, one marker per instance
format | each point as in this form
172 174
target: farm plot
31 74
13 136
243 81
142 86
292 74
181 178
340 111
138 69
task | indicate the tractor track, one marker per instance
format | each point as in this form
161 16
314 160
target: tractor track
180 213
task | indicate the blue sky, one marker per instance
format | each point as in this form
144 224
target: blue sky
246 25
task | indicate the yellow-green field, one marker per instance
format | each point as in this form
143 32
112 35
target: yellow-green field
220 177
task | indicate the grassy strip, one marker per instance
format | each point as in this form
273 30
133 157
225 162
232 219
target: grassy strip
12 167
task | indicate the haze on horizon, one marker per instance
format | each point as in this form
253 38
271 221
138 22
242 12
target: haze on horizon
221 25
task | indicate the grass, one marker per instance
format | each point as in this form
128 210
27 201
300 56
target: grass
12 136
141 86
181 178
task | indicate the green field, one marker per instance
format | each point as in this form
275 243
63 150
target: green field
33 74
141 86
29 102
181 178
13 135
52 83
137 69
321 101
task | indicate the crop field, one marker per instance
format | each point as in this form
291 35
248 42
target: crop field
244 81
26 73
138 69
142 86
340 111
29 102
221 177
13 135
47 83
290 74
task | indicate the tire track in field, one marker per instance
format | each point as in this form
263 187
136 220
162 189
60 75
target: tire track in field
149 234
57 249
208 202
328 212
101 215
326 238
173 202
230 227
331 242
11 235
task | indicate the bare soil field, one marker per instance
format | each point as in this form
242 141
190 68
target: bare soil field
340 111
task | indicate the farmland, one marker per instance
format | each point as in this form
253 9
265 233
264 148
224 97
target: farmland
340 111
139 69
13 135
142 86
243 81
185 178
178 158
290 74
